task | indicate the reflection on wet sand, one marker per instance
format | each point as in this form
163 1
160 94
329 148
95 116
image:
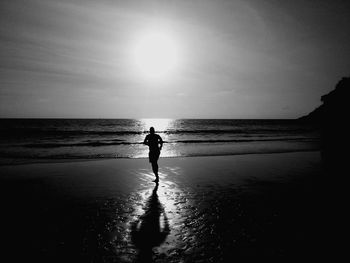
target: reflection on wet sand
150 229
160 211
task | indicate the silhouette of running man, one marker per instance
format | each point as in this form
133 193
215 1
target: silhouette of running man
155 144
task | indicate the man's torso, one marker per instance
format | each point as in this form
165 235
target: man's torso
153 142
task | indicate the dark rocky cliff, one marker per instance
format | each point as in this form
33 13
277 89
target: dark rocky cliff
335 104
333 118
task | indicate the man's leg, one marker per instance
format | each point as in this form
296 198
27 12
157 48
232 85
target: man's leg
155 169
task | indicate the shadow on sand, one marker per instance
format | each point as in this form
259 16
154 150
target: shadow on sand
151 229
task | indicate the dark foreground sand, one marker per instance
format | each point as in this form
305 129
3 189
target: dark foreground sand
205 209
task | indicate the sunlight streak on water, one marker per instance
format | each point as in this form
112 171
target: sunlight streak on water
160 125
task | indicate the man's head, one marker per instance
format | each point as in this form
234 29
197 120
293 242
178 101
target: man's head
151 130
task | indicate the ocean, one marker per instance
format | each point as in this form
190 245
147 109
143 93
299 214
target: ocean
33 140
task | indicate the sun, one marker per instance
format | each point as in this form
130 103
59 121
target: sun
156 54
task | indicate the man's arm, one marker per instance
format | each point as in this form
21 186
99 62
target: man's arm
146 140
161 143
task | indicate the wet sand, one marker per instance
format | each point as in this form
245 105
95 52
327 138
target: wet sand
205 209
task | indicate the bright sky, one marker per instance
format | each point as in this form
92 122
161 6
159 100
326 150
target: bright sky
170 59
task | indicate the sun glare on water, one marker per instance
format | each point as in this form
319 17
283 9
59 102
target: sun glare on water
156 54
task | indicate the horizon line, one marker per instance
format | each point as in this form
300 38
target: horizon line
100 118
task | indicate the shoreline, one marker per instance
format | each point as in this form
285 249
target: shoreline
25 161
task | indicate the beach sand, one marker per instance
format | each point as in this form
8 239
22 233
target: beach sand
205 209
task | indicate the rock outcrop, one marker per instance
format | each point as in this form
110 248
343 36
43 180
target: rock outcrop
332 117
334 107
